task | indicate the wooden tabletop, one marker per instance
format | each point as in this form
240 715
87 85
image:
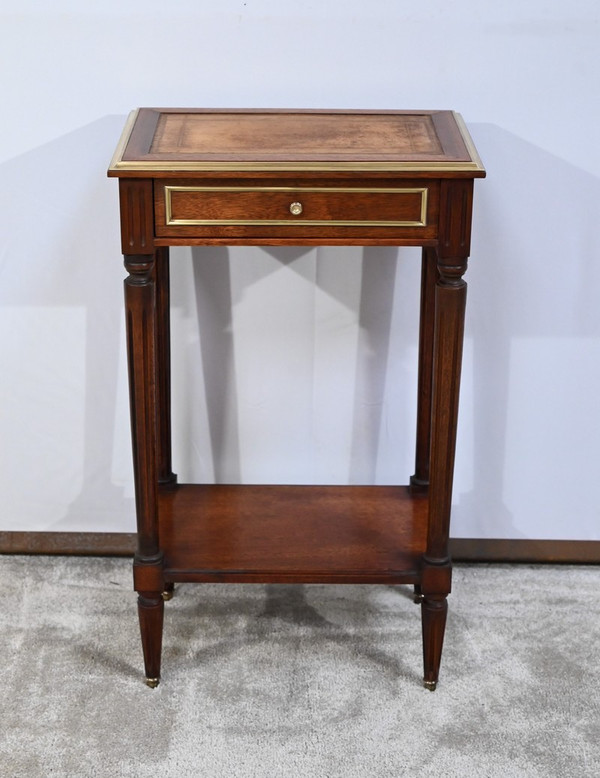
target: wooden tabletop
162 140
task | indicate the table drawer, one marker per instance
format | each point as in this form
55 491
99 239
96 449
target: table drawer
288 210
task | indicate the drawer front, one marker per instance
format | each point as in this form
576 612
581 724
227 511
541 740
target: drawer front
286 210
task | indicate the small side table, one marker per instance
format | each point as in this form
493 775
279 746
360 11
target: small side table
205 177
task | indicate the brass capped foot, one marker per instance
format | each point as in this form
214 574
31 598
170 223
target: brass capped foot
431 685
167 595
418 595
152 682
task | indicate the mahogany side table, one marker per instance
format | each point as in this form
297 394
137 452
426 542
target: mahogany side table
258 177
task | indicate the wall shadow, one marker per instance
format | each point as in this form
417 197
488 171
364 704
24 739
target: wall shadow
61 250
534 273
214 305
371 271
375 320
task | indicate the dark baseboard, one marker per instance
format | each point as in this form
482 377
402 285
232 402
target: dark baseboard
581 552
68 543
462 549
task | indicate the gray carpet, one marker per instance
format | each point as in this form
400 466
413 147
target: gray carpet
297 682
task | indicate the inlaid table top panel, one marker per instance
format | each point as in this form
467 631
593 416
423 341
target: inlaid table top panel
158 140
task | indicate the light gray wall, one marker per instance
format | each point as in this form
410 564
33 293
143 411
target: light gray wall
303 360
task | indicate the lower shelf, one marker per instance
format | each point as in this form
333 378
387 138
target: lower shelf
294 534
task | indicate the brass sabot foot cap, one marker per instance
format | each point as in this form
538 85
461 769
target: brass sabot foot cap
152 682
431 685
167 595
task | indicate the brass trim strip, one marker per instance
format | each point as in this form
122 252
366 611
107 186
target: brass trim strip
468 141
170 221
116 162
311 167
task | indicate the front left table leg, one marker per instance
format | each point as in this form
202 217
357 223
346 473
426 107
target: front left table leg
433 618
140 309
151 610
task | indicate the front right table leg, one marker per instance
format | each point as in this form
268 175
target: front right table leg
450 301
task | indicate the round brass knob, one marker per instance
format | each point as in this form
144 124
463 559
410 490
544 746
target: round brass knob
296 209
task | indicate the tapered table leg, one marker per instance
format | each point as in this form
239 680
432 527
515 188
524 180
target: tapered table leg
436 575
433 618
140 309
150 611
450 300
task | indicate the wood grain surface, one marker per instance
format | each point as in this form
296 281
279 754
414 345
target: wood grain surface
292 533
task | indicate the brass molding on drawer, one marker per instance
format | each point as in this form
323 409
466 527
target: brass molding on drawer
296 192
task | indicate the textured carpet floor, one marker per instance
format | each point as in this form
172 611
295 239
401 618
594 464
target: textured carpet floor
298 682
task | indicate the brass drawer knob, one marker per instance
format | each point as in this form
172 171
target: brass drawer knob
296 209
